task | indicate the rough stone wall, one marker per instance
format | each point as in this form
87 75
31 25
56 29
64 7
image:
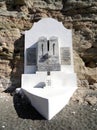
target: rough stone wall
17 16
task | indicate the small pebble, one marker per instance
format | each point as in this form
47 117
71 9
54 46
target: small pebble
3 126
94 109
73 112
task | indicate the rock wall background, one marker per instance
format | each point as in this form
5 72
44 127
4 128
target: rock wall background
17 16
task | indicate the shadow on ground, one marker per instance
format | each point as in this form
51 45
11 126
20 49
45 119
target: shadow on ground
17 65
24 108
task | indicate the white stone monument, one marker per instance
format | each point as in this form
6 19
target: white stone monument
49 79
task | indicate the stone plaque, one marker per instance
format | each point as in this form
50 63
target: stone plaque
50 67
65 56
31 56
48 54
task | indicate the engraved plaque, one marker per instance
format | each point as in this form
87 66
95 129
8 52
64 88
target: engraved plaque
31 56
65 56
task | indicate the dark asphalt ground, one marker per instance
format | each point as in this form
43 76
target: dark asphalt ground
17 114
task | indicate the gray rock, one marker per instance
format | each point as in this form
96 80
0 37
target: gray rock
8 13
92 100
83 83
4 83
94 86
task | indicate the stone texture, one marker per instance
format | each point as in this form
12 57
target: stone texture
94 86
19 15
4 83
92 100
83 83
48 54
79 66
3 5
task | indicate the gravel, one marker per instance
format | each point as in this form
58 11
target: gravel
17 114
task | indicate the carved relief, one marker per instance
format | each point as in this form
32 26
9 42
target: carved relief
48 54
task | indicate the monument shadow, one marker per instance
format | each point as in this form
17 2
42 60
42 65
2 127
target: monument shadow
22 105
24 108
17 65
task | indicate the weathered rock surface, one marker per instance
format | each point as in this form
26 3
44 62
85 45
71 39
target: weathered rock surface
92 100
17 16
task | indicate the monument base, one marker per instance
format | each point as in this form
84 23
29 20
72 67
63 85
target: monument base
48 102
49 93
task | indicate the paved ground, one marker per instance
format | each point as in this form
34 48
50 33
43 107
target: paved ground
17 114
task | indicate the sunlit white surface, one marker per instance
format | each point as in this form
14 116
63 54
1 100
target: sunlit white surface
49 93
48 27
49 101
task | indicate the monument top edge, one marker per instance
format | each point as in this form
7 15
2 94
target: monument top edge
48 21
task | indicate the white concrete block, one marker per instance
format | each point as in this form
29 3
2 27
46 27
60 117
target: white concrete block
49 90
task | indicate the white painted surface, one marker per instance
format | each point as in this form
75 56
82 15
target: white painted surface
48 102
48 27
58 79
49 94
